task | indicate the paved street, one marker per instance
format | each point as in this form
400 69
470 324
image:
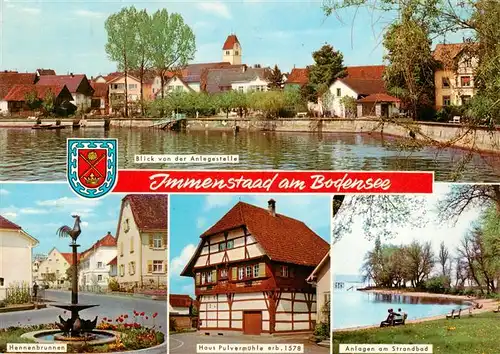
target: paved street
109 306
186 342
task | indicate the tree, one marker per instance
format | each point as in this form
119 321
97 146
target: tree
444 261
275 79
49 102
121 28
172 43
328 66
350 106
32 100
410 72
143 49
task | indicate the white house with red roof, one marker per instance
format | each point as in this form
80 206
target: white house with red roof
52 270
321 279
142 242
78 85
365 85
250 272
16 251
94 269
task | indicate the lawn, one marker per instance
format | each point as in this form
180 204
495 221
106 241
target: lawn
468 335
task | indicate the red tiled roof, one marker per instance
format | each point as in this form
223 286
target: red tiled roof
283 238
18 92
111 76
46 72
71 81
180 300
378 97
100 89
114 261
371 72
365 87
106 241
10 78
298 76
7 224
69 257
150 211
230 42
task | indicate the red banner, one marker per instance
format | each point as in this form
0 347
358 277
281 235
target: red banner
207 181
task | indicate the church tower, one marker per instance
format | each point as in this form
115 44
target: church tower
231 51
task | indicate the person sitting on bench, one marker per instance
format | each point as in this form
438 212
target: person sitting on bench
389 320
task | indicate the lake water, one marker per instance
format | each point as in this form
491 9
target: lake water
358 308
35 155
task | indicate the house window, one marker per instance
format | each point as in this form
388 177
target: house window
1 281
284 271
445 82
256 271
468 63
230 244
121 249
170 87
249 272
241 273
339 92
99 264
126 226
132 86
222 246
236 53
157 266
223 273
99 278
228 52
466 99
326 297
157 241
446 100
240 88
209 277
465 81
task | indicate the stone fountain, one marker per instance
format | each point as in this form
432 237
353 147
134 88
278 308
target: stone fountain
74 329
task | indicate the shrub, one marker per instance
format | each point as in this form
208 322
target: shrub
436 284
2 304
18 293
172 324
322 330
113 285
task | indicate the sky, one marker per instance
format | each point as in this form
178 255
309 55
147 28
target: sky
69 35
191 215
41 208
348 253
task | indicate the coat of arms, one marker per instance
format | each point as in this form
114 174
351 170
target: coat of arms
92 166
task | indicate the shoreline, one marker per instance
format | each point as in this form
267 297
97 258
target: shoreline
488 305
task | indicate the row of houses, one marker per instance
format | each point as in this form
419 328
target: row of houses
136 257
105 94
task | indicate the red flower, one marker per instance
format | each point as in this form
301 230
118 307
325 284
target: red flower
147 317
142 313
105 319
125 316
136 313
155 314
110 320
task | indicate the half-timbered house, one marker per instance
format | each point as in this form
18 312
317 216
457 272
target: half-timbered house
250 272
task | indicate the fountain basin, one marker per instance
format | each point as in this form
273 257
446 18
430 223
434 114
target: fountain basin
96 337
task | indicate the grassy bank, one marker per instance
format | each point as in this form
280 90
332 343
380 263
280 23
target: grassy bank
468 335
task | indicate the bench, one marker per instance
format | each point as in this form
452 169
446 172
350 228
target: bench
454 314
396 321
455 119
302 114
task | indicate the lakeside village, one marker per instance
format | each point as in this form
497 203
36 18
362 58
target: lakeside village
166 85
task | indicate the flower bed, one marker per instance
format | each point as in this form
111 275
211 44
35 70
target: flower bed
135 335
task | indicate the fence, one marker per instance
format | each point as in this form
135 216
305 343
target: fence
21 295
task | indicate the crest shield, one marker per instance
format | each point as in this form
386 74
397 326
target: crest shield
92 166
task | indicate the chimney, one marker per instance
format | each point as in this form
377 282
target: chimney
71 74
271 206
109 233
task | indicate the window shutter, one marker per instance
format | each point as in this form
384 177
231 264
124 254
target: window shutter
234 273
150 266
165 266
197 281
214 276
131 244
262 269
150 240
278 272
164 241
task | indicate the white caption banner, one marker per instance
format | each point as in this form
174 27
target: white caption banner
180 159
386 348
250 348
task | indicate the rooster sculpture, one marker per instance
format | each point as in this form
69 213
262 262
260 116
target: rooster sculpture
65 231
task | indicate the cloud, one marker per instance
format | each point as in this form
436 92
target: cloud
67 202
8 214
216 8
89 14
30 10
218 200
178 263
15 211
33 211
4 191
201 222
